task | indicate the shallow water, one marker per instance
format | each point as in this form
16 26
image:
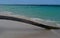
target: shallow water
47 13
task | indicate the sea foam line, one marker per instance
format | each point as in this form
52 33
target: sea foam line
39 20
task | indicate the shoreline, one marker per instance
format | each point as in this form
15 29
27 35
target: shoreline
38 20
29 21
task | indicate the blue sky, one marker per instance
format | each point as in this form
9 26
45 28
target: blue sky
29 1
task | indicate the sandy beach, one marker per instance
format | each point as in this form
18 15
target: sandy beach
14 29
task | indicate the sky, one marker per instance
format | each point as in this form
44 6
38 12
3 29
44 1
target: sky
29 1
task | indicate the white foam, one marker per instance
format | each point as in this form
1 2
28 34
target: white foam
58 25
46 22
42 21
6 13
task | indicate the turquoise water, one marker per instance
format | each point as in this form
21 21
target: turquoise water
44 12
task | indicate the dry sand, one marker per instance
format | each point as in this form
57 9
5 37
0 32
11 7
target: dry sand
13 29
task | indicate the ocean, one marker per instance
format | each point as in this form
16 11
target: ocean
48 12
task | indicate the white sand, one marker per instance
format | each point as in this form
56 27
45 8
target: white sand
13 29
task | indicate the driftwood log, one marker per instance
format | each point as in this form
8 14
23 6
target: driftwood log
27 21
